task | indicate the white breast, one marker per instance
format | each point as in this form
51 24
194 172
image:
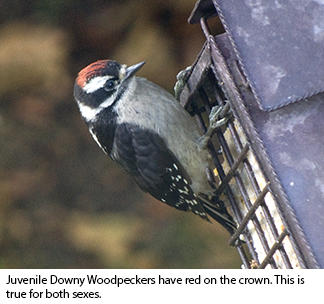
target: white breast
151 107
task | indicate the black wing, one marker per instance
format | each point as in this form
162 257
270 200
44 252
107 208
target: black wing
157 171
155 168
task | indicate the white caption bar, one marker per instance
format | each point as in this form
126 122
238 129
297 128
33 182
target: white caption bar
159 286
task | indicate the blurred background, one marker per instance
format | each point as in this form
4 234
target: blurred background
63 204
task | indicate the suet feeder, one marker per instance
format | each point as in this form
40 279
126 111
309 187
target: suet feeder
266 59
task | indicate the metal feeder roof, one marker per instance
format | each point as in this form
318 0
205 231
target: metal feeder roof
280 45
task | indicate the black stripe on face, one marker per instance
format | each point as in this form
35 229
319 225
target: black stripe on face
94 99
100 96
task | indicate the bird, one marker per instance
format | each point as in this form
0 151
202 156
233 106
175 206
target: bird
149 134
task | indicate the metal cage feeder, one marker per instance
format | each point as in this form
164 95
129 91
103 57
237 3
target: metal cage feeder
250 179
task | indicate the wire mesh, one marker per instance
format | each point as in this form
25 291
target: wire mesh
245 177
241 183
236 181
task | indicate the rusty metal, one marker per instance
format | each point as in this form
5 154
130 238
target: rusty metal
273 249
196 90
232 171
249 215
246 179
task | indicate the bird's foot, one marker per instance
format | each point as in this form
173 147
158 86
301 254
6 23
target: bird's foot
218 117
182 78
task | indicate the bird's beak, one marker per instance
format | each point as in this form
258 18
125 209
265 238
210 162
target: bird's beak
130 71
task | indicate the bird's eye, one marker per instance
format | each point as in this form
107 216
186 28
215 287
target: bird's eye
110 84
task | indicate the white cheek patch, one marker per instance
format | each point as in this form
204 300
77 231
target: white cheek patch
108 102
96 83
88 113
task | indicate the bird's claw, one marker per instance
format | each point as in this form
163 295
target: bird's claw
182 78
218 117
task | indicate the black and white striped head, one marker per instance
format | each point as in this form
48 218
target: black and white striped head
101 84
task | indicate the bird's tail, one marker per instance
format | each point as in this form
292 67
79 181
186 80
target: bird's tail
218 212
